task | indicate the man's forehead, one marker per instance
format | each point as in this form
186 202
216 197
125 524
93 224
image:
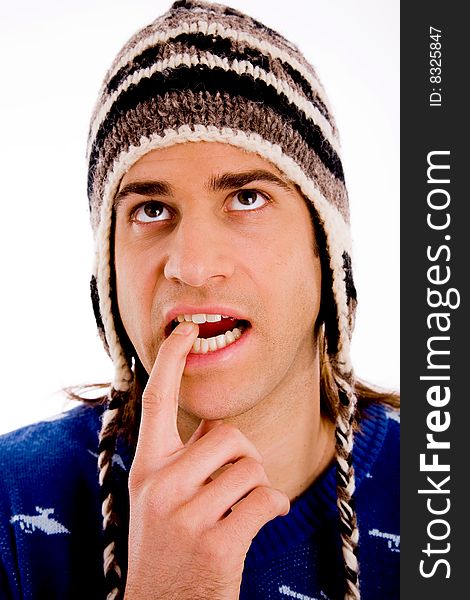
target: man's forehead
217 167
219 156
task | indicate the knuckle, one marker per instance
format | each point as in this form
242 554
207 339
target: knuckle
265 496
226 431
152 400
231 438
184 521
249 469
136 480
153 494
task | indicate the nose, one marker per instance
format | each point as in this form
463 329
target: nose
198 253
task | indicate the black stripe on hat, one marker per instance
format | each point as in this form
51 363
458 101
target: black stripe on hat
351 293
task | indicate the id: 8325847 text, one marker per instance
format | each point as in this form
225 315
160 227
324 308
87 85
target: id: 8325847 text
435 66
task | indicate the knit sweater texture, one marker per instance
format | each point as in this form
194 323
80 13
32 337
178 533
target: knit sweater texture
50 518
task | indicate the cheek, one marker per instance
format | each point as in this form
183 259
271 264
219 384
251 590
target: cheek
133 287
288 281
288 262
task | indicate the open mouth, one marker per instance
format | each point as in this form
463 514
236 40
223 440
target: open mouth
215 331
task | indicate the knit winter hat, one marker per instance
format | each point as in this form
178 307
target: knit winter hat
206 72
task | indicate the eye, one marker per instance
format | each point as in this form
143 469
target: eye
150 212
247 200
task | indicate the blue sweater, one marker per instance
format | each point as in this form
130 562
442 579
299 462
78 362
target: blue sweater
50 518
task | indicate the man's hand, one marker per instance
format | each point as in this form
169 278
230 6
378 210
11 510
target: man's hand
189 533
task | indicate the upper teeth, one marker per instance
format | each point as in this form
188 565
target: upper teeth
200 318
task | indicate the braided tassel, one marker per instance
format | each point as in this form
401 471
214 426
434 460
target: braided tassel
345 488
106 449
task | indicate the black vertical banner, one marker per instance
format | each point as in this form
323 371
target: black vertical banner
435 331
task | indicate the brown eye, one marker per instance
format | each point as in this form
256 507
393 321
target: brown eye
151 212
247 200
247 197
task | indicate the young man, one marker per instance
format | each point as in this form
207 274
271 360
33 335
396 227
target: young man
224 295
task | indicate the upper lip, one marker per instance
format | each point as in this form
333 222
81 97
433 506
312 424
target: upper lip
191 309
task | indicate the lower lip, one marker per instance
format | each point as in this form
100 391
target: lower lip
194 361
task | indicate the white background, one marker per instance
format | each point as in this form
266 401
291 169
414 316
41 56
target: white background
54 54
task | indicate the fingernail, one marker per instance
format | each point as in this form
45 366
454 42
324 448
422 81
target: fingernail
184 328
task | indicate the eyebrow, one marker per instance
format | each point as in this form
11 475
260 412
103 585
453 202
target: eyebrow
226 181
143 188
216 183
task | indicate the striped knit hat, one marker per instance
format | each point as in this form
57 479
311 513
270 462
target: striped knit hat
206 72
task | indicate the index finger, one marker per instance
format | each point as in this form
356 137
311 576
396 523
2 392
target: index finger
158 435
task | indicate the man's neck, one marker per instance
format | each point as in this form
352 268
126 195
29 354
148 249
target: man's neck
296 440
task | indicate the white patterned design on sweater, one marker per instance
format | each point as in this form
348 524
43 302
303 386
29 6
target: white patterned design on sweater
42 522
286 590
393 540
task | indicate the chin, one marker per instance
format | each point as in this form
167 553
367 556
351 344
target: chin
212 402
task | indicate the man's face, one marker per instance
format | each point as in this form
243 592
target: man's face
209 229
